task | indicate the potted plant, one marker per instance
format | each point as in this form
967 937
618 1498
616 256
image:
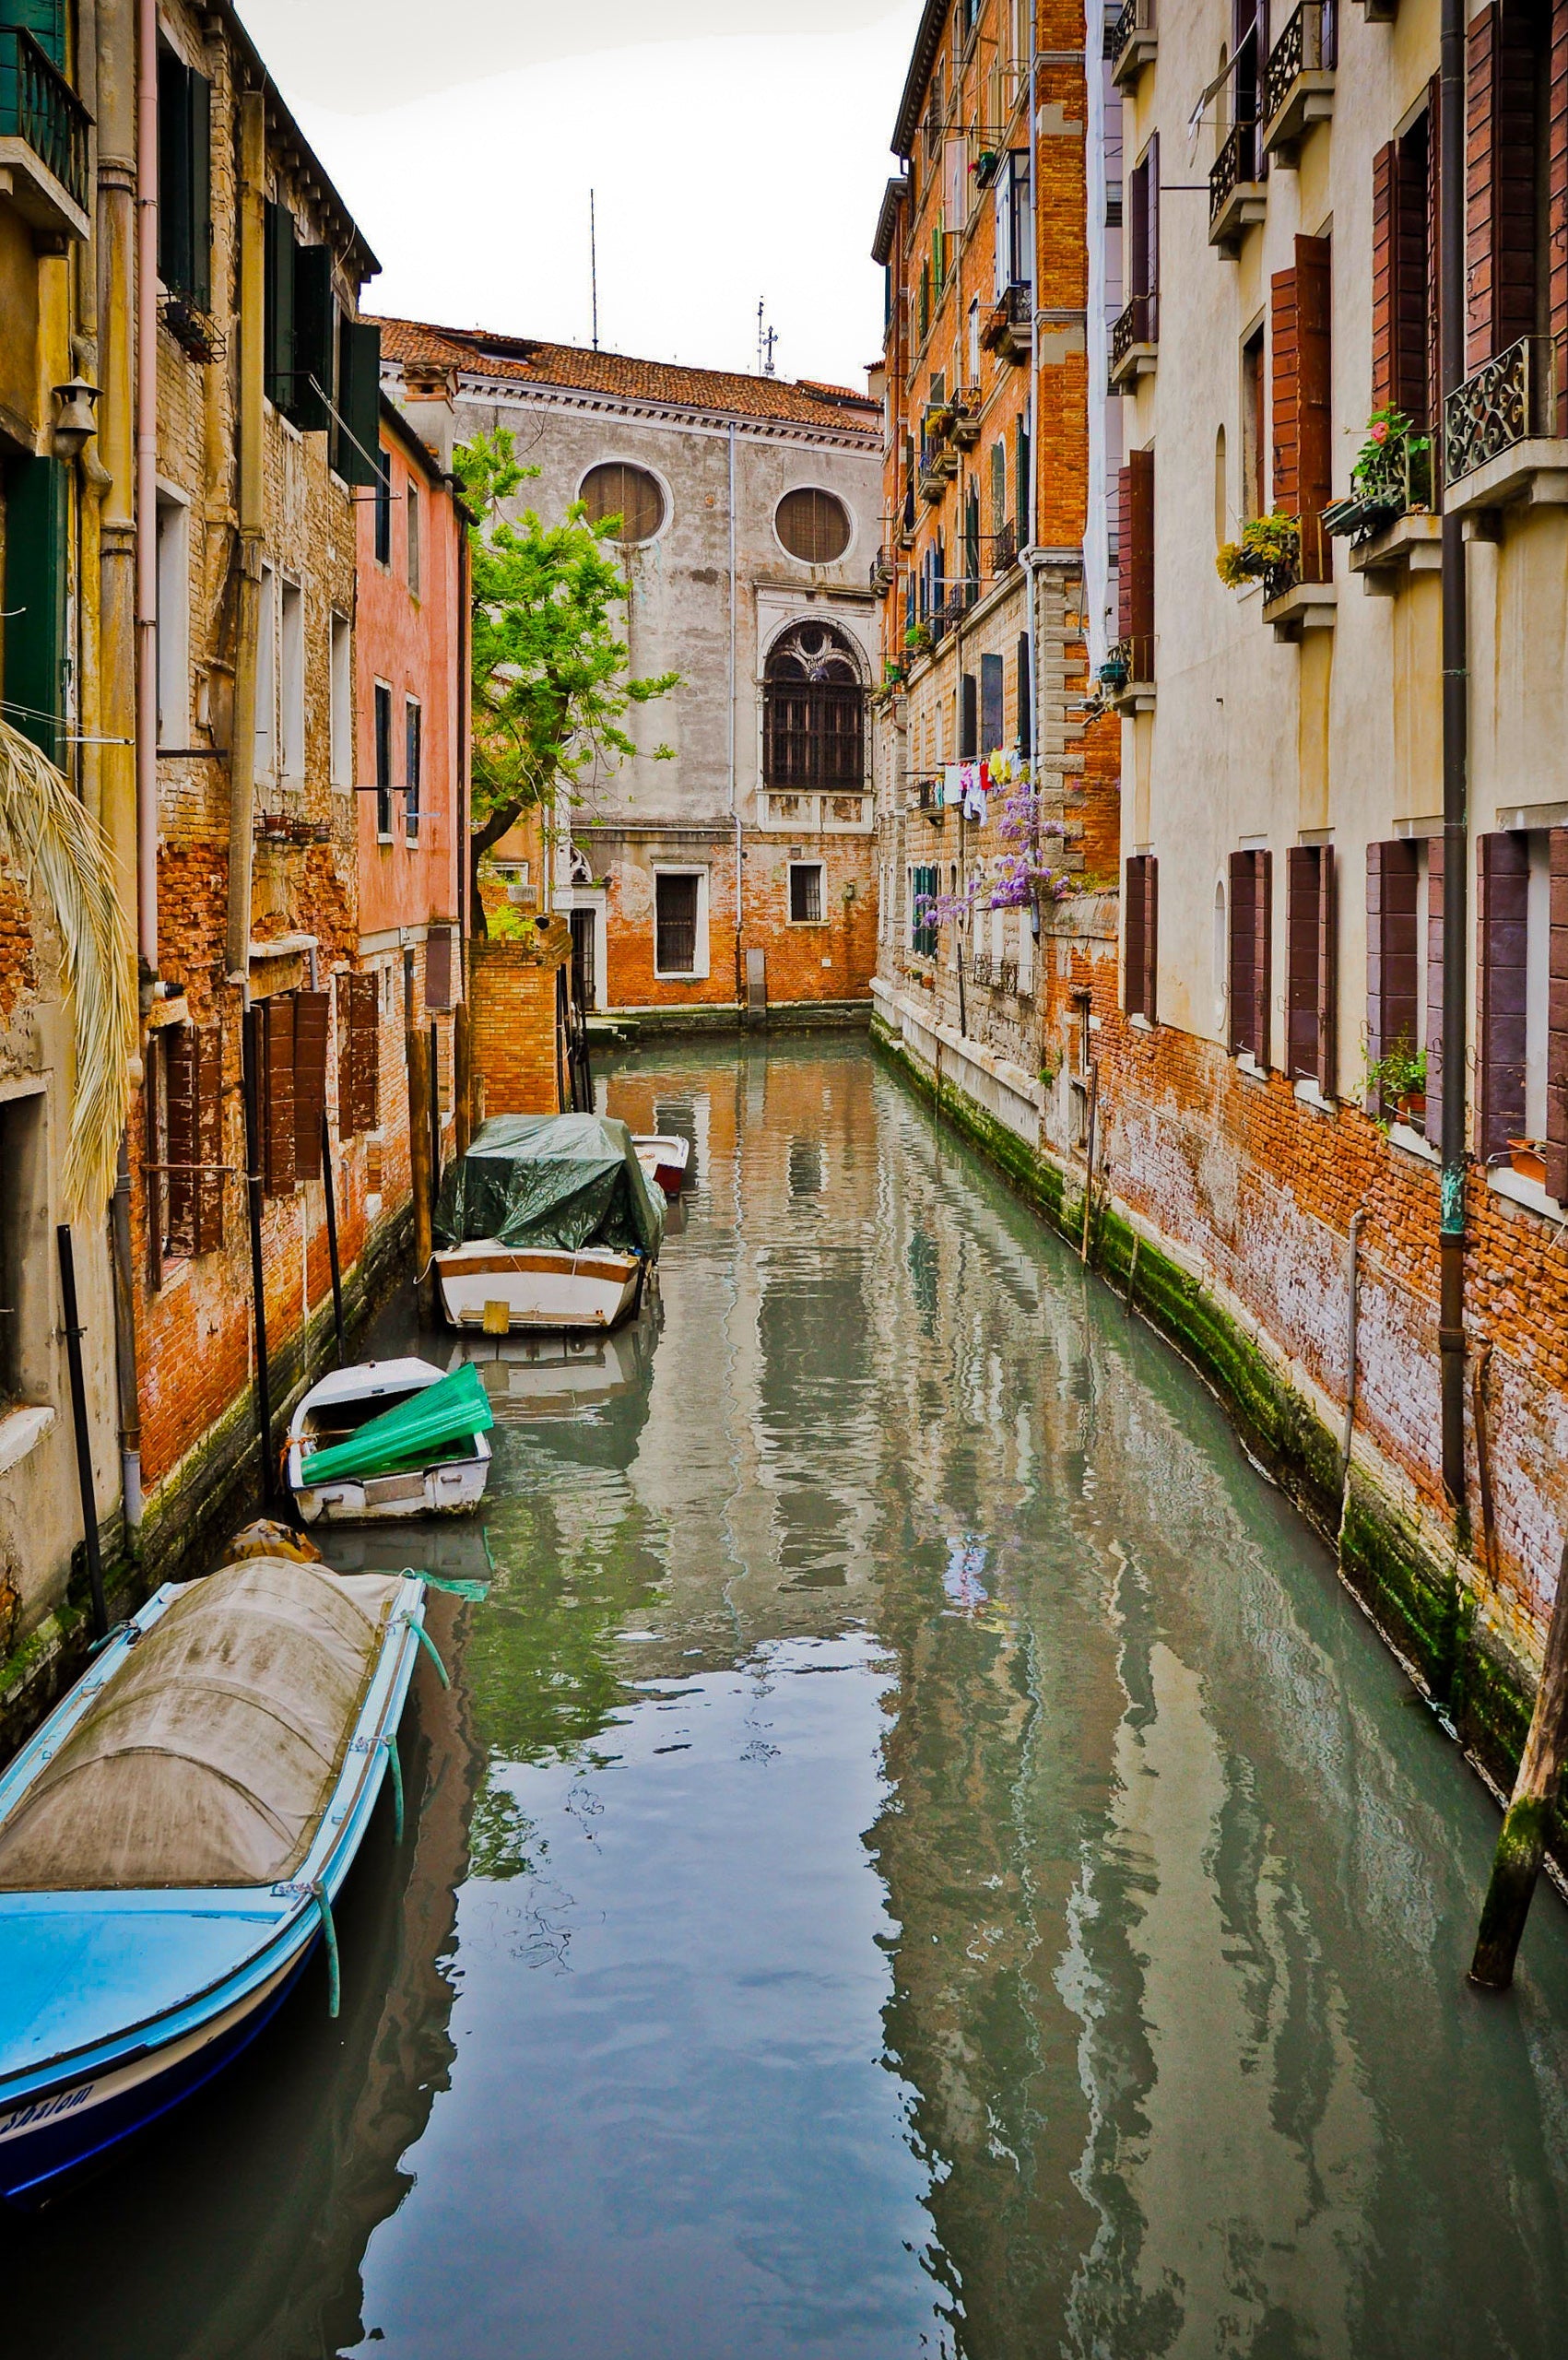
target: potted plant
1112 673
1269 551
917 639
1529 1160
986 166
1397 1079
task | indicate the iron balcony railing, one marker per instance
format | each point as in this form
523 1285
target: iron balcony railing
1137 16
1139 323
1003 548
1128 662
1512 399
1238 164
38 106
1306 46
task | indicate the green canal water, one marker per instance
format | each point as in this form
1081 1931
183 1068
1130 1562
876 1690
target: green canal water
920 1857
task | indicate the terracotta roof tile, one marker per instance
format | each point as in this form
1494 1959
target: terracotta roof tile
532 360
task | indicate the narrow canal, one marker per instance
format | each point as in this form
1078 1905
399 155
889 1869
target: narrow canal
920 1857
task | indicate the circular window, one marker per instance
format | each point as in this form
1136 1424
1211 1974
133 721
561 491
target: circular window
631 493
813 526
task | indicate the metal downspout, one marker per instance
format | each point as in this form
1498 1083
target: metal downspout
734 800
252 308
1456 826
1031 575
147 483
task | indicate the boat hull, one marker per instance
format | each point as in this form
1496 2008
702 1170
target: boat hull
455 1487
534 1288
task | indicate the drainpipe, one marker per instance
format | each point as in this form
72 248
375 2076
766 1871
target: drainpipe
147 483
1456 727
734 802
1031 577
252 312
115 138
126 1343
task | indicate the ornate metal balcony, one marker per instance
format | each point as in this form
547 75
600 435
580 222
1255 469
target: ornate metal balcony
1298 85
43 141
1236 196
1509 402
1006 328
1004 550
1134 342
1131 43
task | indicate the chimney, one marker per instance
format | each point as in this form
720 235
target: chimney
428 392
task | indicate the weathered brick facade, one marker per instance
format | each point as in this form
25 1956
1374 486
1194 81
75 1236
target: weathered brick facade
513 997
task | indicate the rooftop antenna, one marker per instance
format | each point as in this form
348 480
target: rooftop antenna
593 267
766 339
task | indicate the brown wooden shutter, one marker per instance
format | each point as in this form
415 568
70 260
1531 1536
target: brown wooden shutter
1153 282
1262 955
1315 396
1284 393
1500 195
1150 937
1301 882
1435 861
1557 185
209 1139
1242 949
1557 1014
367 1028
1392 873
348 1123
1434 386
310 1080
1409 388
438 967
181 1131
277 1093
1138 993
1327 973
1480 194
1138 561
1502 925
1124 553
1385 270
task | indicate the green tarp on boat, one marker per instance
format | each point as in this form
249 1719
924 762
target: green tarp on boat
561 1181
433 1426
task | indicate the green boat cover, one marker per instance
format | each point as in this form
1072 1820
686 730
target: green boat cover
563 1181
417 1433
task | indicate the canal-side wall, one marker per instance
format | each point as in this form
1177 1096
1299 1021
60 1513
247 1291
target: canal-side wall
1463 1639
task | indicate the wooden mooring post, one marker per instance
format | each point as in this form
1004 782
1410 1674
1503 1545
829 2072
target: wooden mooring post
333 1264
420 1096
1521 1847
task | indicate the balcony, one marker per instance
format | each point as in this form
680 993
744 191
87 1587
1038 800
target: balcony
1127 677
1134 342
1130 43
1298 83
965 428
44 144
1388 517
1501 444
882 574
1006 328
1237 196
1004 550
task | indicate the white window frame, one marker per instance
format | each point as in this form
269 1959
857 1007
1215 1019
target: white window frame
291 681
698 971
341 694
266 677
413 543
389 833
822 869
413 708
174 576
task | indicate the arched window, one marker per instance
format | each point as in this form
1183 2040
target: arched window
631 493
813 708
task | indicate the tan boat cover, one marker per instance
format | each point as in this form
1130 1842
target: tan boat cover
211 1754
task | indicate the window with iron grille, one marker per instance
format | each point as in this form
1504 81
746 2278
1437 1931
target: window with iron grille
383 507
813 526
631 493
813 705
674 923
806 892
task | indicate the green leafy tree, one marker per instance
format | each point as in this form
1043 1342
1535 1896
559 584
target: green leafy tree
550 684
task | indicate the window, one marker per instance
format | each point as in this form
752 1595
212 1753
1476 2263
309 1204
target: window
813 526
972 348
355 449
266 677
173 568
341 690
1393 959
1023 517
1404 288
998 491
24 1249
291 680
991 722
806 892
1510 177
36 540
1143 241
184 1135
813 706
1250 949
969 718
1311 944
1255 430
383 507
383 760
359 1052
1522 998
680 921
1011 199
411 771
1134 565
184 179
411 494
1301 426
924 887
615 489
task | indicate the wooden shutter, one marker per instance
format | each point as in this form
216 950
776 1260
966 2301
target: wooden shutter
1284 391
310 1080
315 335
1500 197
968 718
356 444
275 1093
1137 229
1435 863
1503 924
1327 973
279 339
358 1052
34 600
1385 270
1025 698
209 1139
1434 386
1557 185
1136 918
1557 1018
200 120
1134 561
1152 283
1243 951
1146 1002
993 725
438 967
1400 279
1392 873
1262 955
1303 881
181 1130
1301 393
1124 553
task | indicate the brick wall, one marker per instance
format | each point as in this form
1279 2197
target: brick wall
513 997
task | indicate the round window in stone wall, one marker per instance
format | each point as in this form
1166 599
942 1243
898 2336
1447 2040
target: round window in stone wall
813 526
631 493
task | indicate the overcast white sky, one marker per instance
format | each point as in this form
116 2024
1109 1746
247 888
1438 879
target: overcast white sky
739 153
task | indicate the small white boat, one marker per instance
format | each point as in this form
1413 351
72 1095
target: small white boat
663 1156
495 1288
332 1413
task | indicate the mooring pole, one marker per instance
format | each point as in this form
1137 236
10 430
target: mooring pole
1521 1847
332 1236
435 1115
73 1332
419 1132
462 1080
1093 1126
251 1039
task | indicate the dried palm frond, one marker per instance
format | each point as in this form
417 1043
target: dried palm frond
61 857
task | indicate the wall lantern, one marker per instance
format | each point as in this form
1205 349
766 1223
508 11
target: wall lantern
73 422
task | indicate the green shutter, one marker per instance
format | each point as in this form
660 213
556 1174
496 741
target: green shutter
315 337
279 354
34 602
1020 484
199 94
174 172
45 20
359 402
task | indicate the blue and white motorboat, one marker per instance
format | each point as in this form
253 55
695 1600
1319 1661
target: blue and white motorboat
171 1841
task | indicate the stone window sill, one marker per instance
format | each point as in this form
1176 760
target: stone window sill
1139 1022
1308 1094
1248 1066
1413 1142
1520 1191
22 1431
